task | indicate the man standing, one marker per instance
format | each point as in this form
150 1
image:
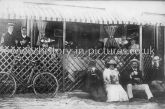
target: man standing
135 81
9 39
23 40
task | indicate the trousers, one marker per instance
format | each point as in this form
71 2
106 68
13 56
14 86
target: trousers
144 87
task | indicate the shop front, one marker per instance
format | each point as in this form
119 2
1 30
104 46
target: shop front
79 28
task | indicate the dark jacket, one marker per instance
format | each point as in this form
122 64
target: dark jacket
154 74
127 79
9 40
27 43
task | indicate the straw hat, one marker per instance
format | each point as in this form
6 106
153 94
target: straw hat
156 58
112 62
134 60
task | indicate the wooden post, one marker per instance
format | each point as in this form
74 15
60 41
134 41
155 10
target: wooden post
154 29
157 35
64 39
64 34
32 36
141 55
164 49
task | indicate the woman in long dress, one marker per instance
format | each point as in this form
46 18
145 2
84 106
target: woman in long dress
114 90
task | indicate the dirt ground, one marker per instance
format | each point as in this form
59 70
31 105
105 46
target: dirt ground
74 100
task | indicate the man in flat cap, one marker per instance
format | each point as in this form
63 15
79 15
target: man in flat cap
135 81
8 38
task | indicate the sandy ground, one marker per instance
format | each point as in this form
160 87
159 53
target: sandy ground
73 100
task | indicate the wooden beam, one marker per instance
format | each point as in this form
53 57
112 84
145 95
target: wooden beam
64 33
141 55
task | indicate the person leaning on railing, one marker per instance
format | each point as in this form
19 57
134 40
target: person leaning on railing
23 40
8 39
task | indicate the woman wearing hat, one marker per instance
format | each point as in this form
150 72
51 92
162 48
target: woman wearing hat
114 90
135 81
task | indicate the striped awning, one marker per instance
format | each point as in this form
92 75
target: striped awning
55 12
14 10
153 19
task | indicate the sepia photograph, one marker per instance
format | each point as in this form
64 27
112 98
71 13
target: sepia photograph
82 54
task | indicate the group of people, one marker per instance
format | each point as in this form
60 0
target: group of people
11 40
122 43
132 79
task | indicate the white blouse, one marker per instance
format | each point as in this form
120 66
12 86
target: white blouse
108 73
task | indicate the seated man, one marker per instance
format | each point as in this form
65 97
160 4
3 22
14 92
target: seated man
155 77
135 81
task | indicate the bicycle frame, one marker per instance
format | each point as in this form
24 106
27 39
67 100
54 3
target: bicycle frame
31 75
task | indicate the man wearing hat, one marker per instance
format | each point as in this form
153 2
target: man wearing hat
155 77
9 39
135 81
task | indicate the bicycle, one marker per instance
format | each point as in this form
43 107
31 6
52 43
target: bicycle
43 83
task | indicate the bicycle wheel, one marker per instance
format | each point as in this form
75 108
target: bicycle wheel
7 85
45 85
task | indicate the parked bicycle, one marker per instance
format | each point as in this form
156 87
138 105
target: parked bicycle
44 83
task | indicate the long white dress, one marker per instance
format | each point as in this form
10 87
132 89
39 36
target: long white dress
115 91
